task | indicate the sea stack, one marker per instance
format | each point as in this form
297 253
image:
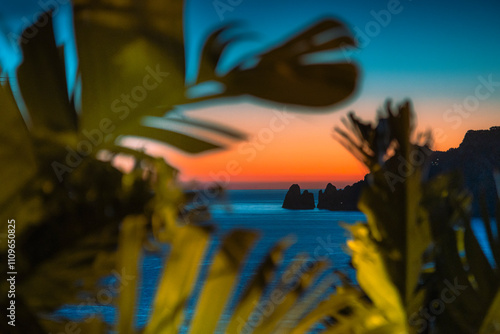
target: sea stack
296 201
327 199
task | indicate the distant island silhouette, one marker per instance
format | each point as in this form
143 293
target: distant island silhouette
331 199
476 158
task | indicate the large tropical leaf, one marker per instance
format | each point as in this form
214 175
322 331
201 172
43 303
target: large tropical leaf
288 73
132 62
16 169
53 117
184 142
129 48
463 274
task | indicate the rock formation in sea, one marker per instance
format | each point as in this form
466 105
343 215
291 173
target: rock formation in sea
297 201
340 199
327 198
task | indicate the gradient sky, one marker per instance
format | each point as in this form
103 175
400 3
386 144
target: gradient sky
434 53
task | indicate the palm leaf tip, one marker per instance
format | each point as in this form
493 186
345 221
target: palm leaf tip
297 72
48 104
214 46
221 278
288 76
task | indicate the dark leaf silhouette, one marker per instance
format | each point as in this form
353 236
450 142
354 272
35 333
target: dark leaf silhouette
285 74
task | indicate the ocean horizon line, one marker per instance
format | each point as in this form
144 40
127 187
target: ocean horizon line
285 185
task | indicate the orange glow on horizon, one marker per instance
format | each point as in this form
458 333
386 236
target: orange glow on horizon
286 147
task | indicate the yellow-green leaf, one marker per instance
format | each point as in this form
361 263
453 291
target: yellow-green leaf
220 280
255 288
130 243
178 279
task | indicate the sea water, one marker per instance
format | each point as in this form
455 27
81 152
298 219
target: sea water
317 233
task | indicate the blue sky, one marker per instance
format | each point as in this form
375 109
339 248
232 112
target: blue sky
457 39
427 50
426 39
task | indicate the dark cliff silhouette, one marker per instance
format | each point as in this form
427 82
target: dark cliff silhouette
475 159
297 201
340 199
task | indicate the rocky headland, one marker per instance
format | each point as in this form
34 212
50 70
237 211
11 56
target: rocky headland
475 160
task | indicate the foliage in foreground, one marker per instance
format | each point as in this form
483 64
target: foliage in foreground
417 257
419 265
72 207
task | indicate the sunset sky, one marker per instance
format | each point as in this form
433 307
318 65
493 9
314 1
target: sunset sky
433 53
440 55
